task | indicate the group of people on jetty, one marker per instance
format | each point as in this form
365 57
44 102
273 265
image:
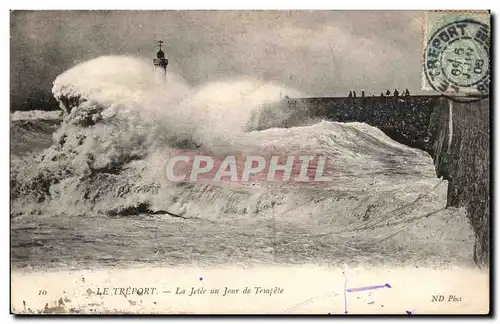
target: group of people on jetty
396 93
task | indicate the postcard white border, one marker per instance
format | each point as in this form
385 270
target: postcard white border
219 4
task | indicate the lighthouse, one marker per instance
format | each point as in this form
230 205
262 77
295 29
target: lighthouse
160 63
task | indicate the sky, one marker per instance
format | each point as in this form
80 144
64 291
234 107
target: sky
319 53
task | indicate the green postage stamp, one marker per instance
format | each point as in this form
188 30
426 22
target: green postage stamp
457 52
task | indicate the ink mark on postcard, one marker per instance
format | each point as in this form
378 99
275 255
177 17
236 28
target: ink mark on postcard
457 55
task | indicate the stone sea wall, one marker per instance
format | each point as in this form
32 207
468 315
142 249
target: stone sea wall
404 119
461 153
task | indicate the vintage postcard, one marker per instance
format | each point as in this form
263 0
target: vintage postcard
250 162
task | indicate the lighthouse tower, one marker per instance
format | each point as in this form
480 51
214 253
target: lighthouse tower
160 63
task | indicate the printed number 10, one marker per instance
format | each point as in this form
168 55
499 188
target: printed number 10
42 292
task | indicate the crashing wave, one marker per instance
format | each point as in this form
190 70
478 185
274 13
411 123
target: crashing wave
120 123
109 154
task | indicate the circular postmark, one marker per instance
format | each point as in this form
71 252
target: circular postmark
457 58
